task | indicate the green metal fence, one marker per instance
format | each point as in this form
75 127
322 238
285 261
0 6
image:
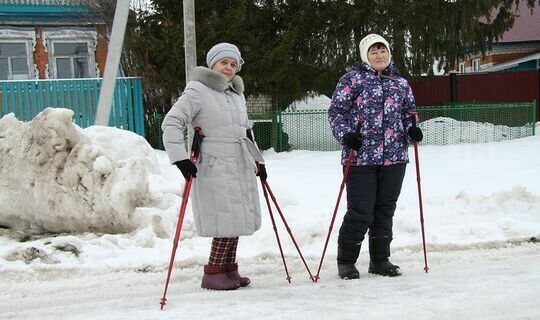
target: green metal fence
477 123
460 123
152 129
27 98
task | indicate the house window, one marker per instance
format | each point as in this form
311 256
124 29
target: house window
71 53
462 67
476 64
71 60
14 63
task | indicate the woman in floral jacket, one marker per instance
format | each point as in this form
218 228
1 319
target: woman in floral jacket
373 92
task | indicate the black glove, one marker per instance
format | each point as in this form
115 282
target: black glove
262 172
415 134
186 167
352 141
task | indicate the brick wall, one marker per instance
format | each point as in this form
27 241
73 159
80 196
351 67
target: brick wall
40 55
101 48
258 103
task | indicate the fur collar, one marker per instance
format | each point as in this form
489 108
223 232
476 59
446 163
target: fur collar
216 80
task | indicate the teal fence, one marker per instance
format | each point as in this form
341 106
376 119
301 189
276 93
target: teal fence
29 97
450 124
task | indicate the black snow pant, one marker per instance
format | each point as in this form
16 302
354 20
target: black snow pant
372 193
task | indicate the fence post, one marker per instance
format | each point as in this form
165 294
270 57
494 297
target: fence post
280 145
534 106
453 88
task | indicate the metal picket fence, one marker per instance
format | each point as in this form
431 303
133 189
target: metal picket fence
448 124
27 98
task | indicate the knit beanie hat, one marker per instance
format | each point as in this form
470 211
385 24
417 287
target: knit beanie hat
224 50
370 40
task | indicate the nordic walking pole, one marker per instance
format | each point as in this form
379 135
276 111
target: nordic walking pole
265 184
417 162
250 137
275 229
342 186
195 147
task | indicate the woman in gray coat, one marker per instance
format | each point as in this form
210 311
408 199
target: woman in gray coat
225 196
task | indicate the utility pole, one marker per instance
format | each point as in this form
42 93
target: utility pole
114 52
190 44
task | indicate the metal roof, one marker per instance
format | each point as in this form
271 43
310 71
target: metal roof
526 27
45 2
14 13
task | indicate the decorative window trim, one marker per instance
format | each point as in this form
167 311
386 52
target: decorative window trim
29 38
70 35
476 65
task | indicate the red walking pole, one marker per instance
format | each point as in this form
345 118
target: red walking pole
417 161
342 186
265 185
275 229
197 138
250 137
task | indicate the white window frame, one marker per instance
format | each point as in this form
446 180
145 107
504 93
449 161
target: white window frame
70 57
462 67
70 36
28 37
476 65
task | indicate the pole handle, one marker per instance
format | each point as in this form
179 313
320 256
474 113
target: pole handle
196 144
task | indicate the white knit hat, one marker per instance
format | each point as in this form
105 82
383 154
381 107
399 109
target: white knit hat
370 40
224 50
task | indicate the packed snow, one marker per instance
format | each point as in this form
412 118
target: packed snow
88 217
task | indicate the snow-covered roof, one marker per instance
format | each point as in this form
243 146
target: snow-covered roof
511 63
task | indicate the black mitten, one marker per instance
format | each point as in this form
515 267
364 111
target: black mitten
415 134
262 172
352 141
187 168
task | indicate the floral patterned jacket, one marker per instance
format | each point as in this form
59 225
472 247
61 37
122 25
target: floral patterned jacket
384 104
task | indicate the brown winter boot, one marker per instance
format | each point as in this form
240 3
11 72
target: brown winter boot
231 270
215 279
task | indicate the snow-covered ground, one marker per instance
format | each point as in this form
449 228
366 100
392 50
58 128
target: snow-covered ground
481 207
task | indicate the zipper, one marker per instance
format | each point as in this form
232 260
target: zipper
383 116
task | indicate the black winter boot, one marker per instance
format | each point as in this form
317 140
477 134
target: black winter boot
379 252
347 256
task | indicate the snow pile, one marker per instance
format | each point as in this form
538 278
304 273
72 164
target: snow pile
312 102
443 131
56 177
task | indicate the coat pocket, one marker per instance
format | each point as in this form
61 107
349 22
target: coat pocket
212 166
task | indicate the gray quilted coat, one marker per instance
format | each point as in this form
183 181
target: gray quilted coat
224 194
